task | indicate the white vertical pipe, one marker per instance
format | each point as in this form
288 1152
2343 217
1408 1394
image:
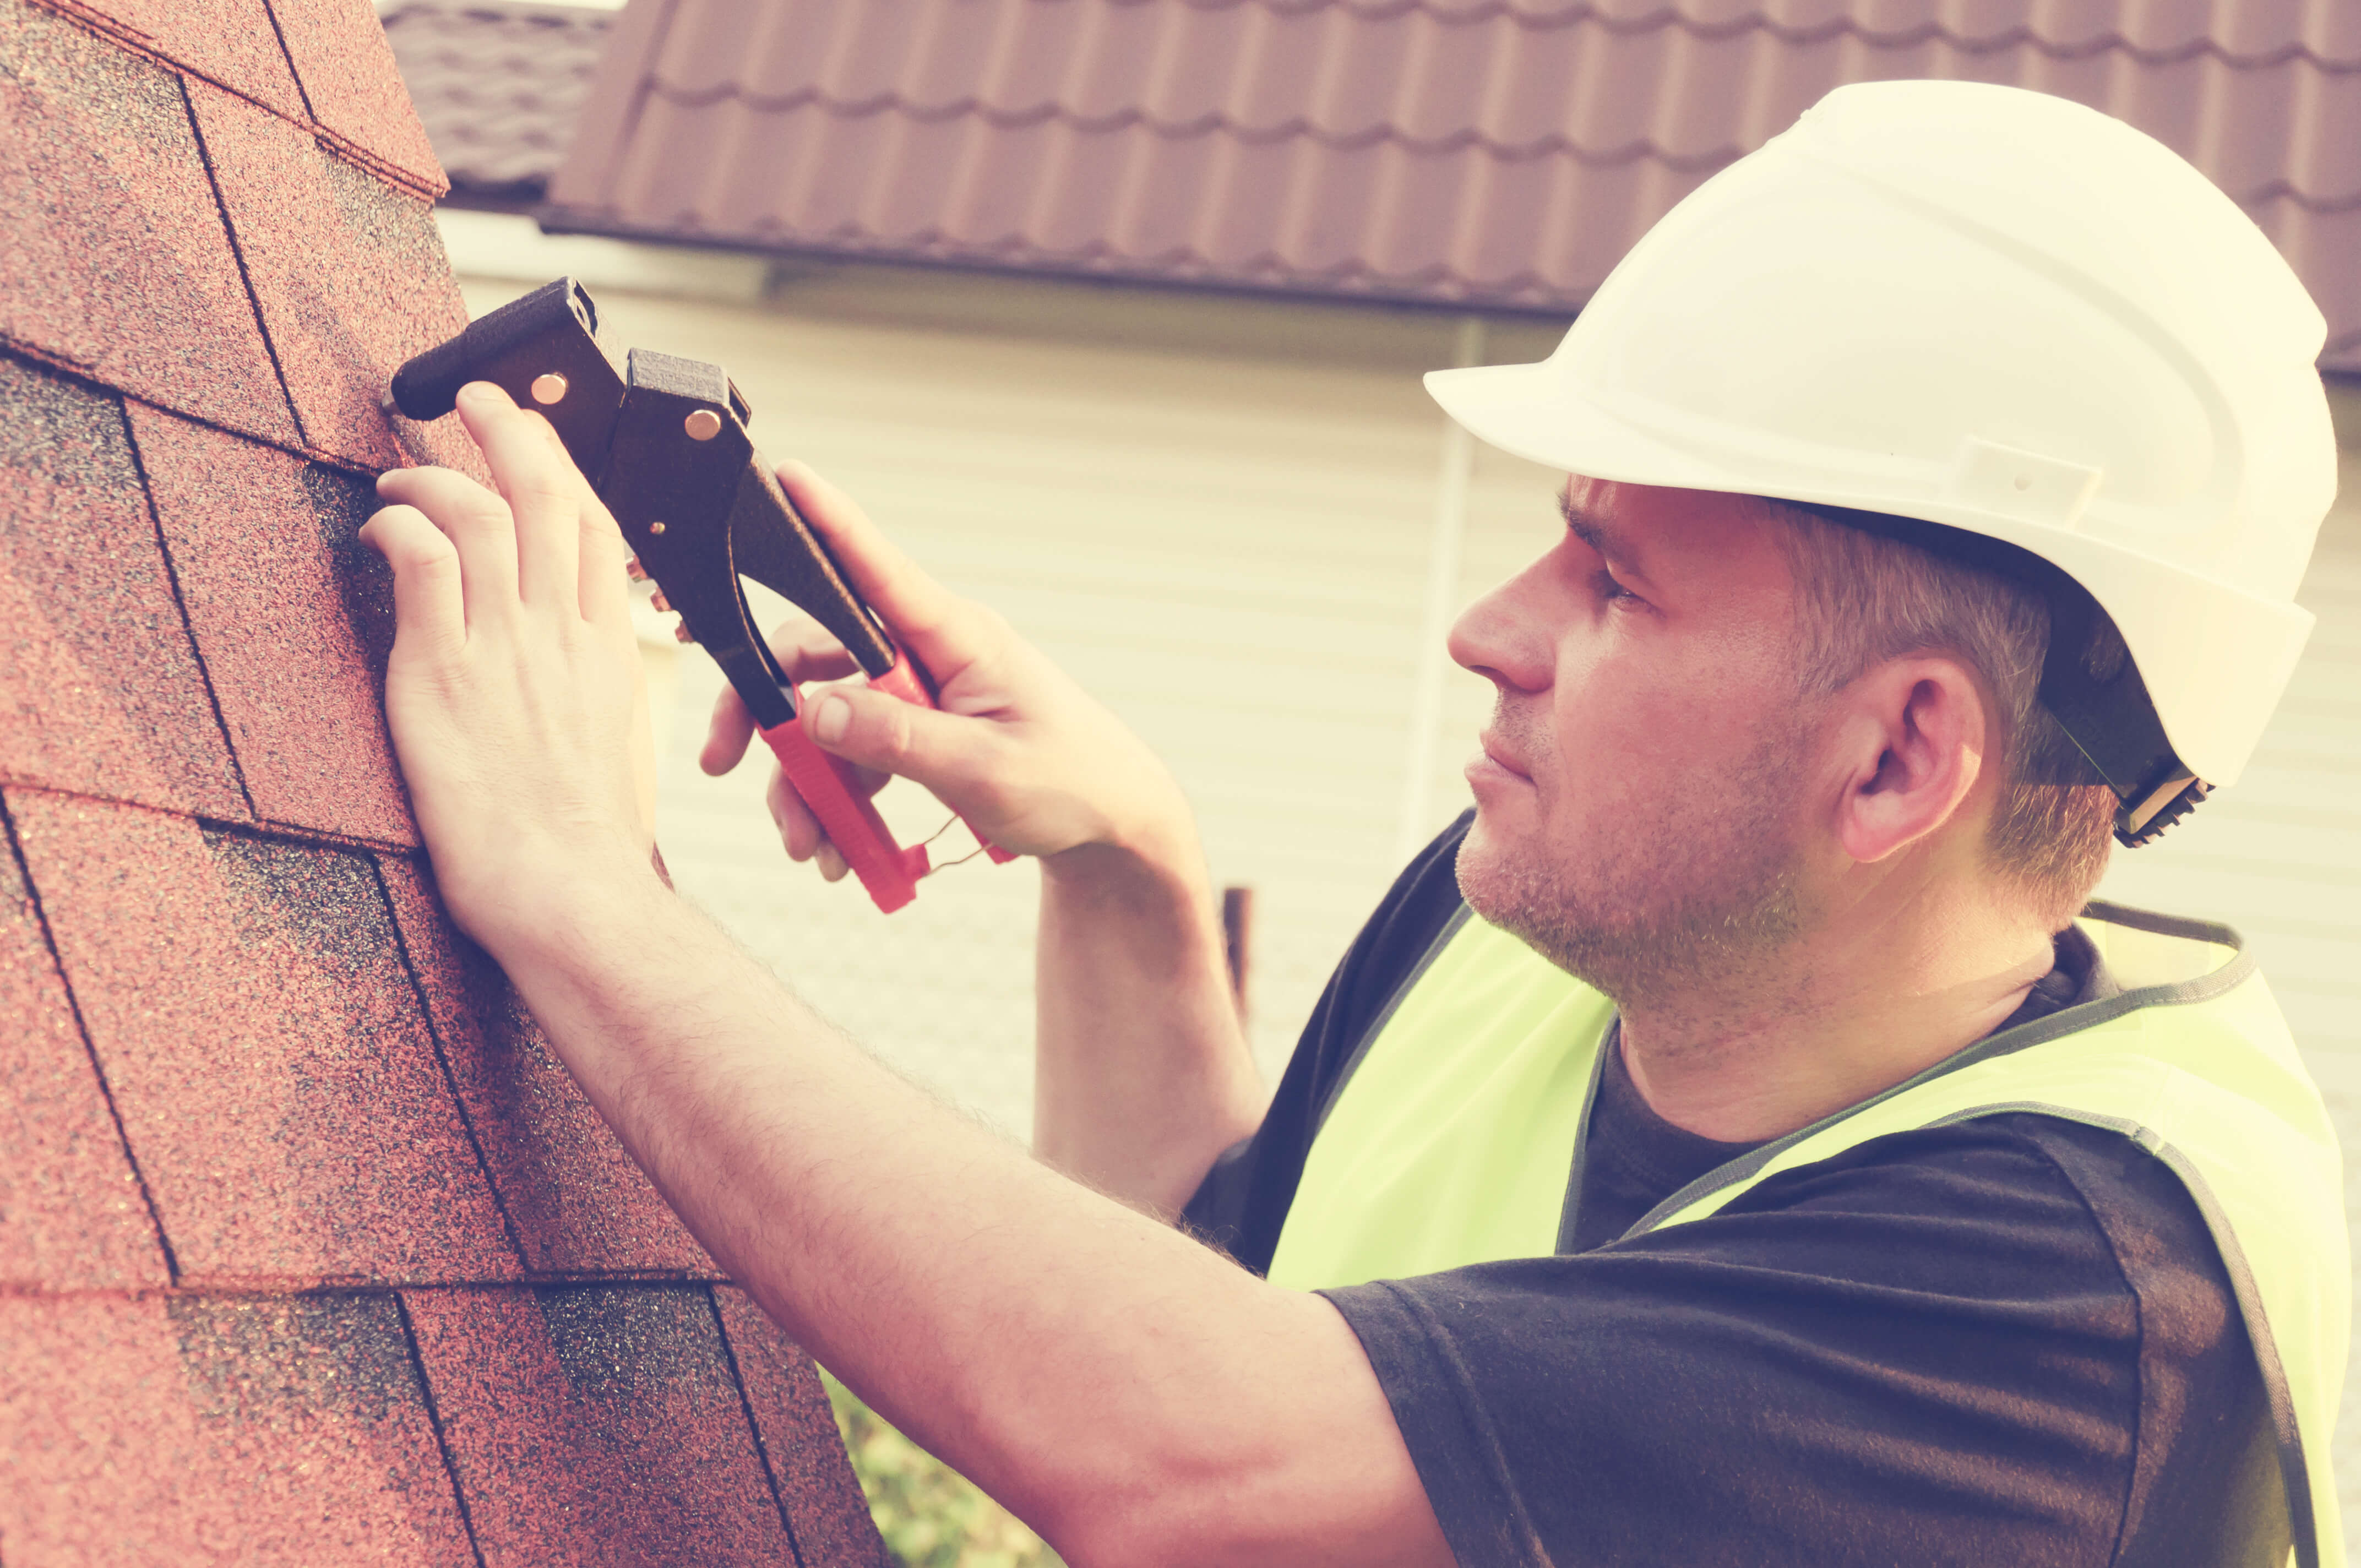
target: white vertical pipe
1433 664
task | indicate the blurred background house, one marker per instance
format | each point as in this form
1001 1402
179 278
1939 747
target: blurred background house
1111 311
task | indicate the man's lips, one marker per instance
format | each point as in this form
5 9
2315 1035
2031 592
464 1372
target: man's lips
1501 757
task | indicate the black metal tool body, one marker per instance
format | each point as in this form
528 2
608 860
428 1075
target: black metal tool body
664 443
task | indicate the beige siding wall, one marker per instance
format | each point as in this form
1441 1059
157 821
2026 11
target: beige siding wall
1219 516
1216 514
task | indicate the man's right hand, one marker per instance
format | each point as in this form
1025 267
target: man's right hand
1141 1072
1017 749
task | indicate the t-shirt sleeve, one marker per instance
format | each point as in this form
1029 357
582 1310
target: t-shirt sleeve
1242 1204
1926 1350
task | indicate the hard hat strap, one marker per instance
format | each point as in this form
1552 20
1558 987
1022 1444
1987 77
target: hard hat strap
2090 683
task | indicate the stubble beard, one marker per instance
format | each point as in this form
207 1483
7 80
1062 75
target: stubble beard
1691 893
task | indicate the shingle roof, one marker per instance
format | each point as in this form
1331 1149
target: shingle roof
310 1251
499 85
1498 153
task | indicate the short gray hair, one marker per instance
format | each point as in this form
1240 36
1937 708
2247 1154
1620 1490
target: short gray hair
1862 598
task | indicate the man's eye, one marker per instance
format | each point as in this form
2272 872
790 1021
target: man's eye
1609 588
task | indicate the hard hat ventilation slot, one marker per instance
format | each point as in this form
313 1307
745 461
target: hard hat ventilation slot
2011 482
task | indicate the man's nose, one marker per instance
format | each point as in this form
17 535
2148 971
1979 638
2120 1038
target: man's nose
1505 636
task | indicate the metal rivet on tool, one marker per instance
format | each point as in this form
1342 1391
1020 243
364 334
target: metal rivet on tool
548 387
703 425
655 528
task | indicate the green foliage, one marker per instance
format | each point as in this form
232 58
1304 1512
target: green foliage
930 1515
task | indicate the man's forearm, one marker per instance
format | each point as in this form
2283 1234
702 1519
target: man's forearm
1142 1073
1135 1396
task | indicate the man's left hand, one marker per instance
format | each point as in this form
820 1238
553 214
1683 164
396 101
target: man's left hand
514 693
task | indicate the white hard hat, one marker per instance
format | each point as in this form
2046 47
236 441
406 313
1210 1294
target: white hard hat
1996 311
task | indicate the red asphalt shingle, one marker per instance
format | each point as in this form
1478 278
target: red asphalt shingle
112 254
349 77
350 273
816 1483
271 1432
597 1426
71 1216
1502 154
576 1202
276 1078
230 1062
101 692
285 603
232 42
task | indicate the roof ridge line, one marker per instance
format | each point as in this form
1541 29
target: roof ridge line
1218 121
1674 14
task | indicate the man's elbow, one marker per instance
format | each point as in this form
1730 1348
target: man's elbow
1300 1509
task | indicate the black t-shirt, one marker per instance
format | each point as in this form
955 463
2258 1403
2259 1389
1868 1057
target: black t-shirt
2005 1342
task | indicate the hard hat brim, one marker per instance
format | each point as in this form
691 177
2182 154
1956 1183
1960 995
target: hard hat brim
2224 655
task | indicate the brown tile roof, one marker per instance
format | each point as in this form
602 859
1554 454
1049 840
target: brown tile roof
499 85
1497 153
310 1251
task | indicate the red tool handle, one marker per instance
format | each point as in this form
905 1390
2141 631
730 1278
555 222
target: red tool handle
831 787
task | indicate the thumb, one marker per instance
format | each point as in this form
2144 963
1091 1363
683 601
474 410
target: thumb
943 751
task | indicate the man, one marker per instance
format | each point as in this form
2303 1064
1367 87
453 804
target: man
1724 1147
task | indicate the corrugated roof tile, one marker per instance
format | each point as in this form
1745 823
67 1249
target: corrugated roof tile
598 1426
1234 141
276 1080
72 1215
101 692
289 1431
293 615
498 85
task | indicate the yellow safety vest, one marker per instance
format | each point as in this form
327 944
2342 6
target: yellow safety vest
1451 1140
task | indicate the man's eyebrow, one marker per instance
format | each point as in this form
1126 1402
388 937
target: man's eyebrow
1599 535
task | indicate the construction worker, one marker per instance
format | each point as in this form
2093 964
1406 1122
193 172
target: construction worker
1726 1144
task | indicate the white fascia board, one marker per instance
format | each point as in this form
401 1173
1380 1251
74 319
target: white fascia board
511 246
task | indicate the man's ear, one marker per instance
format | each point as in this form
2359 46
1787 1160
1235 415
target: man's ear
1912 738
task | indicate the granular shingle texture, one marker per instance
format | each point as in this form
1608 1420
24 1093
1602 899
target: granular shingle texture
340 51
622 1401
293 615
1497 153
111 248
311 1252
71 1210
230 42
100 691
333 252
821 1499
576 1202
276 1431
274 1072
